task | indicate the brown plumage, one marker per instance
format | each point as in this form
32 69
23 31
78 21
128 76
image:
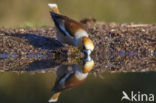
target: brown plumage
71 32
72 26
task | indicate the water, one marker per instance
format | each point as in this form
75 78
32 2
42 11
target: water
36 87
36 81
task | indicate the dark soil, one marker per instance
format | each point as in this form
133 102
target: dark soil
118 47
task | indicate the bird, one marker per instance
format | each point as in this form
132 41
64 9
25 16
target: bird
70 76
70 31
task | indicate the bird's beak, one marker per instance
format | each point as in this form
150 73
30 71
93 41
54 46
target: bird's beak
87 54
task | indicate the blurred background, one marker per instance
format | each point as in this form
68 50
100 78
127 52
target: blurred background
21 13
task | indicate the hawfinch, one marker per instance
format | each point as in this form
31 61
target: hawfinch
69 77
70 31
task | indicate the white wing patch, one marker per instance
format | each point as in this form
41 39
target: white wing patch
53 100
52 5
64 30
64 79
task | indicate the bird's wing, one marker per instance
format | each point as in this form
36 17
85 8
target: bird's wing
66 25
73 26
59 21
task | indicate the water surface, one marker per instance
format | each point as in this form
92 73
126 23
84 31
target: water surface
104 87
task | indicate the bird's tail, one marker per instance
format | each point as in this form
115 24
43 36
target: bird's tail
54 8
54 97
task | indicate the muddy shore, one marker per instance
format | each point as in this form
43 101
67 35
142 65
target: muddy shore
118 47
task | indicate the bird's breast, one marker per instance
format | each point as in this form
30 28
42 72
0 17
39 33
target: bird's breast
80 33
79 75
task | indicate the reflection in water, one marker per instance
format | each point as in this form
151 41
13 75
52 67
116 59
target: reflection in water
31 87
111 61
69 76
36 87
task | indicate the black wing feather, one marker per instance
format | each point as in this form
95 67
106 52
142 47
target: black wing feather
57 20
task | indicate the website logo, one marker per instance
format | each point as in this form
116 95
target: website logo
138 97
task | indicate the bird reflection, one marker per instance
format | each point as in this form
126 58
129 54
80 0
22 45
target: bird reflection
70 76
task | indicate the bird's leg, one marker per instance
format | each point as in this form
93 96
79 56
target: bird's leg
87 58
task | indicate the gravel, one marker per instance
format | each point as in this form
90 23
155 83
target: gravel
118 47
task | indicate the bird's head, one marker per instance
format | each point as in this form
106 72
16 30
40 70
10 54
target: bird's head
88 66
87 46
